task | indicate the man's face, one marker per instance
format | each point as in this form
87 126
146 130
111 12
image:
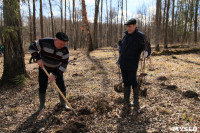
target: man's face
130 28
59 44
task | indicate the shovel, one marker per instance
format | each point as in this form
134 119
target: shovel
60 92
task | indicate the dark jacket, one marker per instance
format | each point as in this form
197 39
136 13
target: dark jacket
131 47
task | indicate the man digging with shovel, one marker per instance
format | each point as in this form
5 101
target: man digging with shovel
53 55
131 46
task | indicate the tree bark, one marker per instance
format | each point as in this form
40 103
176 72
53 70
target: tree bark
86 24
158 23
164 15
172 35
121 35
101 25
65 17
186 22
126 10
196 21
13 54
95 23
61 16
52 23
166 26
74 27
41 20
107 37
30 23
111 24
34 24
70 25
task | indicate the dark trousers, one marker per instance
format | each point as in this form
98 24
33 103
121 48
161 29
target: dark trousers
129 77
43 81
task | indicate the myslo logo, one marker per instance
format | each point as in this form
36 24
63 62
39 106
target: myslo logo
186 129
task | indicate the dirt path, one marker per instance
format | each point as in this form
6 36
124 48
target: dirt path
89 81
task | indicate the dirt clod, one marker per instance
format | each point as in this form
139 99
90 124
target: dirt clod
119 88
190 94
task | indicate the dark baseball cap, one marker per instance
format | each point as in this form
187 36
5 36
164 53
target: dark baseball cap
130 21
62 36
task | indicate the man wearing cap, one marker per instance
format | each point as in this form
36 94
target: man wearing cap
53 54
131 46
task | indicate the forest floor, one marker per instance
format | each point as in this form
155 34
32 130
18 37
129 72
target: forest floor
173 89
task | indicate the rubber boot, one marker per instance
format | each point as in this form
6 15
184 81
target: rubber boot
127 90
42 101
126 108
136 99
62 101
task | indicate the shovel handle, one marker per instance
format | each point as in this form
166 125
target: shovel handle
60 92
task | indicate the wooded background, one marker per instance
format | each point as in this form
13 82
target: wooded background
175 21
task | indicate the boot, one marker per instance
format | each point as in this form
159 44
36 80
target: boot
62 101
127 90
42 101
126 108
136 99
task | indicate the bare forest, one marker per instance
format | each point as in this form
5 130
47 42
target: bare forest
169 78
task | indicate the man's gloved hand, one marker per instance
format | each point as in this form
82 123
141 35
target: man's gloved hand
145 54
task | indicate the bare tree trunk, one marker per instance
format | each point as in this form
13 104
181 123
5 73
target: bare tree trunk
77 30
117 35
122 19
107 23
70 24
172 35
158 23
74 36
95 23
191 18
84 14
1 36
30 23
111 23
13 53
41 20
186 22
52 23
65 16
61 16
34 24
166 26
163 17
101 25
126 10
196 21
175 26
1 17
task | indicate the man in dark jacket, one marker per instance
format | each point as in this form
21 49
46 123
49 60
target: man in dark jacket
53 54
131 47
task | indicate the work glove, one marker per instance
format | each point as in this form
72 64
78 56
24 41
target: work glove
145 54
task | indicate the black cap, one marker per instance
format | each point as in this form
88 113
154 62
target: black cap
62 36
130 21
